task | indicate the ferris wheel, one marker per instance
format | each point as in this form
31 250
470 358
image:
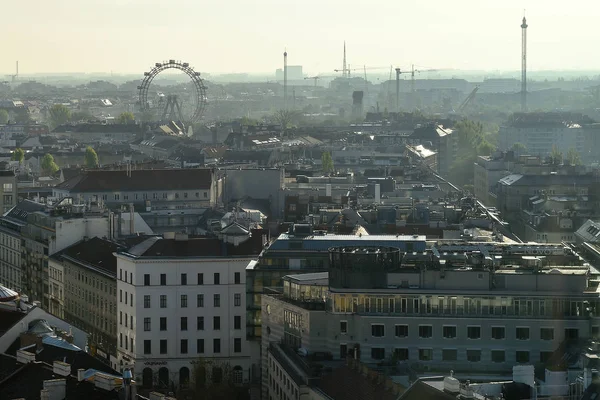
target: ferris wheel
171 104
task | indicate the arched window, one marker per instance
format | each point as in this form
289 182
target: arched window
184 376
163 377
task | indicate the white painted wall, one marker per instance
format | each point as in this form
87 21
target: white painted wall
130 282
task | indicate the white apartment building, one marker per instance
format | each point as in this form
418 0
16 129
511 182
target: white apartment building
180 300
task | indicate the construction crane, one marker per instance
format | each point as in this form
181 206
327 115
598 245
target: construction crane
16 75
412 72
467 101
317 77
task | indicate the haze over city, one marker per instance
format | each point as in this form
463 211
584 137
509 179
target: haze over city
128 36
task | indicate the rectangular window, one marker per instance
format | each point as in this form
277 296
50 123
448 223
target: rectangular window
401 331
163 301
377 353
126 342
474 332
163 323
200 323
377 330
121 274
425 331
200 346
183 348
183 324
200 300
425 354
217 278
120 317
200 278
237 322
146 279
547 333
126 320
237 279
163 279
216 346
498 356
237 299
121 296
449 354
147 347
237 345
147 324
498 332
522 333
183 279
449 332
184 301
344 327
131 299
146 301
571 333
401 354
217 300
217 323
474 355
120 340
163 346
522 356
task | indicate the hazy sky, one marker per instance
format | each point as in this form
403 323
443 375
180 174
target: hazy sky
129 36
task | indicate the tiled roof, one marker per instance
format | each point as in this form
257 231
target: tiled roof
140 180
95 251
197 247
420 390
349 384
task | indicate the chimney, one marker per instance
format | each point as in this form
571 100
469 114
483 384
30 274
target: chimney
328 189
61 368
377 193
25 357
132 219
80 374
181 237
44 394
56 389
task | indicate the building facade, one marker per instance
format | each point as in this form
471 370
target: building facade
89 292
433 315
181 300
8 187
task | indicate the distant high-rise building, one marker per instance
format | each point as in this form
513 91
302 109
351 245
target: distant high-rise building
294 73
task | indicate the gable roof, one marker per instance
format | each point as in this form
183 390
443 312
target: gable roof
422 390
140 180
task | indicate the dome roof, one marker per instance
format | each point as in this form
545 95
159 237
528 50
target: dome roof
7 294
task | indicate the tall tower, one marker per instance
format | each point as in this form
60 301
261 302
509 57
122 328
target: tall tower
285 80
344 69
524 65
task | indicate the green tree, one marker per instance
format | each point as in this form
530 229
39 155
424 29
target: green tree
48 165
556 156
214 380
3 116
326 162
286 119
21 116
126 118
573 157
519 148
59 115
18 155
91 158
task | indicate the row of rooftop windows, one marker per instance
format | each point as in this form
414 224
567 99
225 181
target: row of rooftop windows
472 332
183 278
472 355
462 305
154 196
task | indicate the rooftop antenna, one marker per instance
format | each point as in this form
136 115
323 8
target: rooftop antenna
524 64
285 79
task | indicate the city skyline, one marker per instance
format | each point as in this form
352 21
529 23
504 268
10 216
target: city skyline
128 36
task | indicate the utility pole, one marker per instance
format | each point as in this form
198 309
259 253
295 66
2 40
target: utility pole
344 68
